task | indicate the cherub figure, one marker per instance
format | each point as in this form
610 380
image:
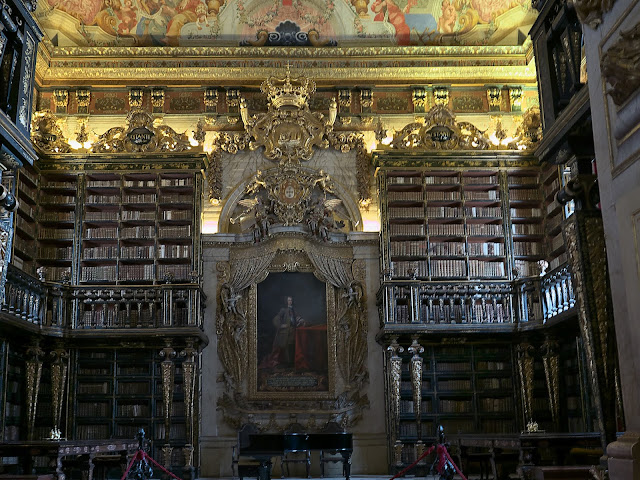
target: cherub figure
447 20
260 215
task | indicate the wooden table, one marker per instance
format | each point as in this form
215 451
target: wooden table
57 450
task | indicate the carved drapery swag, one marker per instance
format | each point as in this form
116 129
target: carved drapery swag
621 66
232 321
351 340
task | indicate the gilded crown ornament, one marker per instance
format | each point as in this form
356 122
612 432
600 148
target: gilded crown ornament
288 92
289 130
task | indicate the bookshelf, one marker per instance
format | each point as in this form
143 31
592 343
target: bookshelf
57 215
554 215
12 389
480 224
25 228
526 215
138 227
466 388
119 391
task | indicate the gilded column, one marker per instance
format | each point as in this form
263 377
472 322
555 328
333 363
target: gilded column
416 383
394 362
189 371
584 236
59 370
551 363
167 369
34 374
525 368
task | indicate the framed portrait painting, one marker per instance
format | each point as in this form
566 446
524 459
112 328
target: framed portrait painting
293 337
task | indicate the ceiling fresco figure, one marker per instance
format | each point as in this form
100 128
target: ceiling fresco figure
343 23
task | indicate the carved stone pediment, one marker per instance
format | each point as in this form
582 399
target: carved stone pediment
140 135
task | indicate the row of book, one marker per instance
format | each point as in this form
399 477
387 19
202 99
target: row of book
55 253
103 252
57 215
136 272
524 194
404 196
447 268
480 268
55 233
93 409
528 248
174 251
106 273
454 384
454 406
101 232
102 215
489 405
115 183
493 383
527 229
57 199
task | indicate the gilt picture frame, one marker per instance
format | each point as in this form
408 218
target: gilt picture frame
291 337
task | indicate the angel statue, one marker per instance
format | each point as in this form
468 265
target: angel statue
320 217
260 215
353 294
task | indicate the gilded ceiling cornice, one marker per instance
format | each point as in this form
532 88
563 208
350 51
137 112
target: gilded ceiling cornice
250 65
324 75
291 52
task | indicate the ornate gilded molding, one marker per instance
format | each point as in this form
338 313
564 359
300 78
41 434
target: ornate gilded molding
290 195
47 135
439 130
620 66
416 381
590 12
141 136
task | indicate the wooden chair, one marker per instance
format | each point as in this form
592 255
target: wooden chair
244 466
331 456
295 456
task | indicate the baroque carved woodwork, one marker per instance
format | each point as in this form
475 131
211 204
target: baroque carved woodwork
395 375
59 369
439 130
525 369
416 381
141 135
551 363
33 376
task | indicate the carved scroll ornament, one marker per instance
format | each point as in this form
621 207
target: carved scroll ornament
140 135
621 66
47 135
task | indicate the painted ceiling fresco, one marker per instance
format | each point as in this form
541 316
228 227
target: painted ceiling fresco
327 23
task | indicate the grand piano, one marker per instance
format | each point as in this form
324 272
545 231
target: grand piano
263 447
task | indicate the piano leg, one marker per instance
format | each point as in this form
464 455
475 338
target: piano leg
346 464
264 471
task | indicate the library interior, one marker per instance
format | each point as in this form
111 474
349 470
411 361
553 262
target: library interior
309 238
